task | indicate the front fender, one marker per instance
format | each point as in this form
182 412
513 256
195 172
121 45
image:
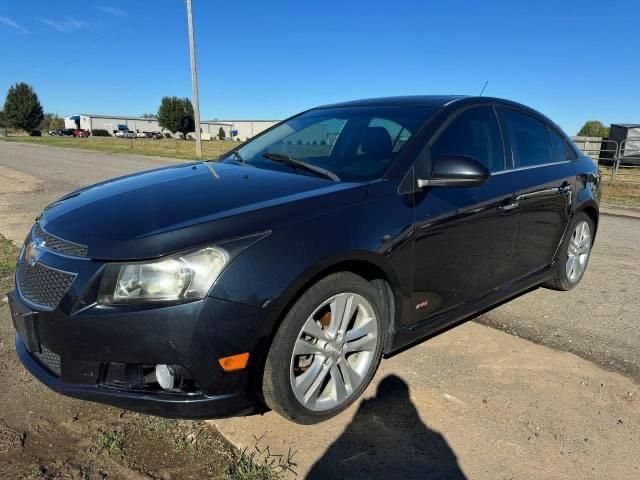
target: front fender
272 272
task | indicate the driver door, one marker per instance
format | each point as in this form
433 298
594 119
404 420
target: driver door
464 236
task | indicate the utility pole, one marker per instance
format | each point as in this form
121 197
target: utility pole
194 80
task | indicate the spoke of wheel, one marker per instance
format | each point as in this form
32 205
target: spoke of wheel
363 344
366 326
312 329
338 382
580 232
342 308
351 377
585 243
305 347
304 381
571 261
314 391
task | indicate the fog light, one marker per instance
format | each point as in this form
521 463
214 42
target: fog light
166 376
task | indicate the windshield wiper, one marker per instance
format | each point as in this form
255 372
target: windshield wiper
238 158
294 162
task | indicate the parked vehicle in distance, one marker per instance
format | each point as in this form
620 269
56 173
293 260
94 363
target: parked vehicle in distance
125 134
279 276
80 133
157 136
140 134
56 132
67 132
35 133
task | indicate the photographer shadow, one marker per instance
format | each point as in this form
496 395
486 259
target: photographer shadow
387 440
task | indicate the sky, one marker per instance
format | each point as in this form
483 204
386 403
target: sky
572 60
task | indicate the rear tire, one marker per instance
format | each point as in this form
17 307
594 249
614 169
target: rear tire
321 358
573 254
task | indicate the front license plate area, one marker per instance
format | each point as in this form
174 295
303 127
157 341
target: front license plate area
25 323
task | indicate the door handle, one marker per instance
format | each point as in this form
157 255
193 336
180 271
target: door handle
510 206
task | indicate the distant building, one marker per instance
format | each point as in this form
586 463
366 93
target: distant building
627 136
242 129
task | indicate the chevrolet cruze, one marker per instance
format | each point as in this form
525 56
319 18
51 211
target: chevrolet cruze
278 276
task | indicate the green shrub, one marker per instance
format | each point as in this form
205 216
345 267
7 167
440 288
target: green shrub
99 132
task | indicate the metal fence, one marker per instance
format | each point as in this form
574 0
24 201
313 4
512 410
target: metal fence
627 165
619 162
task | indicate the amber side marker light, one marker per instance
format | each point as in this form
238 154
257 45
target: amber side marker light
234 362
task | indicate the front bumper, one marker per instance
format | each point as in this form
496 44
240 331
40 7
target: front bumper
163 405
92 341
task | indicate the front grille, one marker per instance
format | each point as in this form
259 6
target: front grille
50 360
41 285
57 244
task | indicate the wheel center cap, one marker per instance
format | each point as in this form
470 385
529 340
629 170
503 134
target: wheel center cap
333 350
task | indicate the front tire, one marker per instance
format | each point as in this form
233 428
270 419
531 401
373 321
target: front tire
574 253
326 351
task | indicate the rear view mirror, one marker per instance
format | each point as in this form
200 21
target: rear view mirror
455 171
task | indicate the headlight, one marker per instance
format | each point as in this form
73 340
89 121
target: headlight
173 278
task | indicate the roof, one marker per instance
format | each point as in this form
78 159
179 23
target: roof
424 100
626 125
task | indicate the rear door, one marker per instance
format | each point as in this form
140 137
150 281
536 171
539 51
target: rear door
464 236
547 181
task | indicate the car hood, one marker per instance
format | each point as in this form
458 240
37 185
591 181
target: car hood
162 211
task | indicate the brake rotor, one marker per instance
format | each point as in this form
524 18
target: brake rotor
304 362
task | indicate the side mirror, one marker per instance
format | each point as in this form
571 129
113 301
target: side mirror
455 171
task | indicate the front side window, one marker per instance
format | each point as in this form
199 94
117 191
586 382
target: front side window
474 133
529 137
355 143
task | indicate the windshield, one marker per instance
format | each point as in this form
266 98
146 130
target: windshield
354 143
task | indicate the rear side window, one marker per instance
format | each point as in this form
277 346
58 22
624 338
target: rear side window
570 151
530 142
558 146
474 133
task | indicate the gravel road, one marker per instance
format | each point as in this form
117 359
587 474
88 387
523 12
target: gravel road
598 320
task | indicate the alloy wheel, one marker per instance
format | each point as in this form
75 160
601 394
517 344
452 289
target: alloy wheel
578 252
334 352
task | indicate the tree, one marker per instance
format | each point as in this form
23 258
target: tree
593 128
51 121
22 108
2 120
221 133
149 115
176 115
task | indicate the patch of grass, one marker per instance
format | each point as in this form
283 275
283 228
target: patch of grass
168 147
259 464
621 193
8 257
111 441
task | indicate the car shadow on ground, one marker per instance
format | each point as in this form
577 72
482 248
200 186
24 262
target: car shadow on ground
387 439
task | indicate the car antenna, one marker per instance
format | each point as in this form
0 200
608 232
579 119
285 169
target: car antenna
485 86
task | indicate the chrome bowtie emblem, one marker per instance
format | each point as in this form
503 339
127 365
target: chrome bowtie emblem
33 252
